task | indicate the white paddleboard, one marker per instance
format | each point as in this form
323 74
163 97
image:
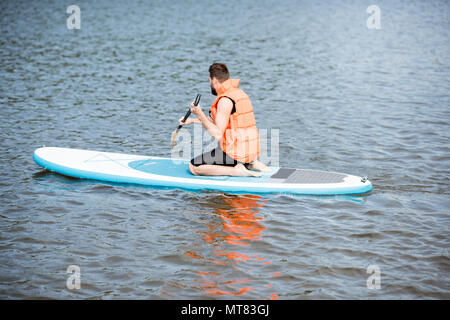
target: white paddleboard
166 172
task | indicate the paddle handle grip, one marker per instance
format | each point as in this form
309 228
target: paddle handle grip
196 102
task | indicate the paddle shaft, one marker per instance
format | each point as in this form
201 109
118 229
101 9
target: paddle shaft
197 100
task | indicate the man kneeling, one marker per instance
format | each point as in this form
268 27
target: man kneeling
232 123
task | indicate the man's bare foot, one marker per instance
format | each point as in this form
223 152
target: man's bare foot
246 173
258 166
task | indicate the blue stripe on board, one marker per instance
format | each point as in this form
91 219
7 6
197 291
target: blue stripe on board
179 168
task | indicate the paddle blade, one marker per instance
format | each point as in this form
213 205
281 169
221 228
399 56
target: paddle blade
174 136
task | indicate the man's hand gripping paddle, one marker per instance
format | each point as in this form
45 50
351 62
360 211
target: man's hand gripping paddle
175 133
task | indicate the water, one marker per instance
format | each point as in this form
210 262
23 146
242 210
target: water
344 98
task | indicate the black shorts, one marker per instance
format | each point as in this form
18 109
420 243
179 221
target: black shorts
215 156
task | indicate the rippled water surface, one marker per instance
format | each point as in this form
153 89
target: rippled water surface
344 98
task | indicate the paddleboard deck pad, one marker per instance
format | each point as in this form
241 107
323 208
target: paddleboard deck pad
166 172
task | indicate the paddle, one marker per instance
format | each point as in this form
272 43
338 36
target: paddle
174 136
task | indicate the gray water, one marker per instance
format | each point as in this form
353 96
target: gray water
344 98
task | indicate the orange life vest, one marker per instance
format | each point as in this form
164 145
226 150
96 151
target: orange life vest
241 138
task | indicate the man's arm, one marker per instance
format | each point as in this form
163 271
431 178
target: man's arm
215 128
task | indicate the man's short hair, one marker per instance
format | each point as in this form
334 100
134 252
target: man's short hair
219 71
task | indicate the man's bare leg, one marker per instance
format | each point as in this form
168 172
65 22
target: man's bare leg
258 166
238 170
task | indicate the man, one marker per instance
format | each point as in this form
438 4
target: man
232 123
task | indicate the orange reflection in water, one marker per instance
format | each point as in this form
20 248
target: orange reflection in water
240 225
